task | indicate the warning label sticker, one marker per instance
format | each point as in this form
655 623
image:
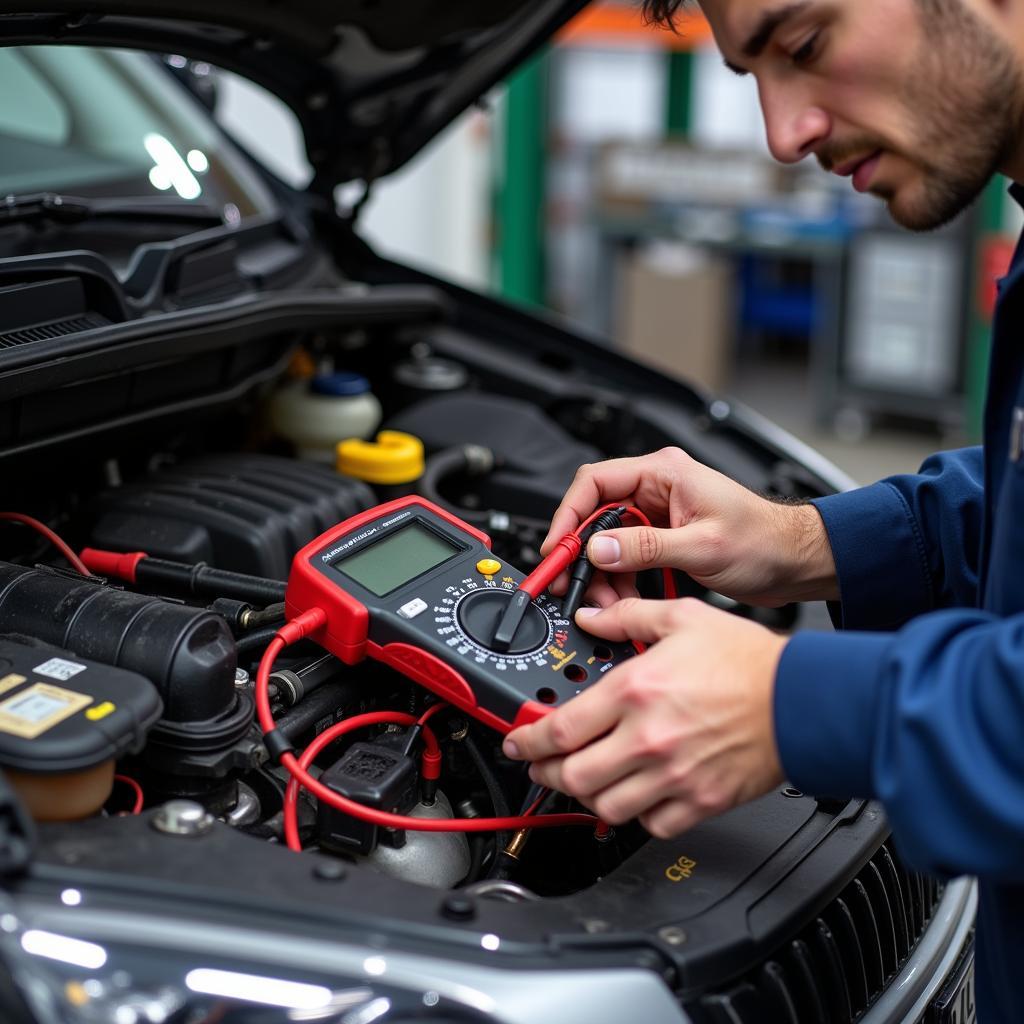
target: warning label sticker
59 668
39 708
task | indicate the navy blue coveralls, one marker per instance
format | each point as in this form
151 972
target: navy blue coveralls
920 701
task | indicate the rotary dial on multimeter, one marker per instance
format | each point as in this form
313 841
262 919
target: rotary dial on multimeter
411 585
468 617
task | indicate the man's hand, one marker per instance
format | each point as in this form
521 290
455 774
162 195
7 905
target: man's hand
726 537
674 735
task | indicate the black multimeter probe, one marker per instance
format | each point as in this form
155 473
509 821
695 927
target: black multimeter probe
582 569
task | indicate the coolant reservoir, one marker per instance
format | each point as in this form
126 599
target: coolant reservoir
64 720
317 413
392 462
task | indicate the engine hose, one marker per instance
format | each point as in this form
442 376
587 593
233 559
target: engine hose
464 458
493 787
476 461
323 703
478 844
256 641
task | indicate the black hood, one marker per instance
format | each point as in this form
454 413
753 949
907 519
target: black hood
372 81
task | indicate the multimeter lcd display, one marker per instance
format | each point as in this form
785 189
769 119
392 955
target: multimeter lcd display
398 559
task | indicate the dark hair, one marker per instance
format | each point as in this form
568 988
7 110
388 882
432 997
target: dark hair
661 12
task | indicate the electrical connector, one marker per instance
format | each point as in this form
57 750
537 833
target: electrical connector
375 775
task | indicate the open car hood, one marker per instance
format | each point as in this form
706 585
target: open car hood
372 81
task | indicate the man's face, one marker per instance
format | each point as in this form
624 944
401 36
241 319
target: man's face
919 101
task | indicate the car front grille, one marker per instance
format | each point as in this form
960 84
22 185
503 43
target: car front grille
835 968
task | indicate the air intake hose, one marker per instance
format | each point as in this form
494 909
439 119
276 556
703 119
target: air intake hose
187 653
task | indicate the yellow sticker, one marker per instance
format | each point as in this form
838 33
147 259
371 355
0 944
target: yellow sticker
9 682
100 711
39 708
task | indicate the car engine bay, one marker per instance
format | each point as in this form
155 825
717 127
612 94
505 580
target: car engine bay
171 445
185 339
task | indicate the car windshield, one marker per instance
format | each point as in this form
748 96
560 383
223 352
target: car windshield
113 124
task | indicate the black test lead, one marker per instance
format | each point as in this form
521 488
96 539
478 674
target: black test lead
582 569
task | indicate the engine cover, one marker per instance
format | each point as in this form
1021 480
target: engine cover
243 512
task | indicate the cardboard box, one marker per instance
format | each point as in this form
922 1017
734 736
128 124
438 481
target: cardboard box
675 312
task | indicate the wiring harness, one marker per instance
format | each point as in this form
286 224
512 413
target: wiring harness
297 629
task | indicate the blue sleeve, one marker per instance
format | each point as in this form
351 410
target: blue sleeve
929 720
908 544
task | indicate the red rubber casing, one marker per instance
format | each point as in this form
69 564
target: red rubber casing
345 633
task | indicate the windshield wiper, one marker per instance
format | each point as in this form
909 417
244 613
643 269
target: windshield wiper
52 206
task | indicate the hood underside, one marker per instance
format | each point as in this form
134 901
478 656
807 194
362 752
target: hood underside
371 81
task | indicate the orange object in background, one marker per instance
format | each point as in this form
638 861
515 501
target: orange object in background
616 24
995 254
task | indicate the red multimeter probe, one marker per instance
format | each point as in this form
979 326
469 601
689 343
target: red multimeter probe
414 587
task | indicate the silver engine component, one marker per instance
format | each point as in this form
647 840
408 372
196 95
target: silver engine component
438 859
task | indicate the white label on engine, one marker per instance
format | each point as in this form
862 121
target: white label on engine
59 668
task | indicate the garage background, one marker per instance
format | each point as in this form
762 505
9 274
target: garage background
622 181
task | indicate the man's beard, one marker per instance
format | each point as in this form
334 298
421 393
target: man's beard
967 99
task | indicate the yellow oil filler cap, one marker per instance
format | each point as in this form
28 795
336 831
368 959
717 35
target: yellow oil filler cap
393 458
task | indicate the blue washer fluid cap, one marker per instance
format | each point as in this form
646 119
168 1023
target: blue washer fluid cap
339 385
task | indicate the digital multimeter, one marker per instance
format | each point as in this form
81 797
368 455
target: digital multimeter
413 586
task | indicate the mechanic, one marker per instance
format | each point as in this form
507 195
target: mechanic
919 701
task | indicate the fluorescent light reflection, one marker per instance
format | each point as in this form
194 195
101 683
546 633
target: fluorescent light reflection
71 898
369 1013
255 988
490 941
169 164
341 1001
64 948
196 159
159 178
375 965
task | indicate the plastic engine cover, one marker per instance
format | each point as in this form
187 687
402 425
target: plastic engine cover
537 458
247 513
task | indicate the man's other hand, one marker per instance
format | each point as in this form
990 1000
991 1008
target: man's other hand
725 536
673 735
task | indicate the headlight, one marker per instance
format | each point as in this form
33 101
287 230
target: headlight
57 975
152 957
